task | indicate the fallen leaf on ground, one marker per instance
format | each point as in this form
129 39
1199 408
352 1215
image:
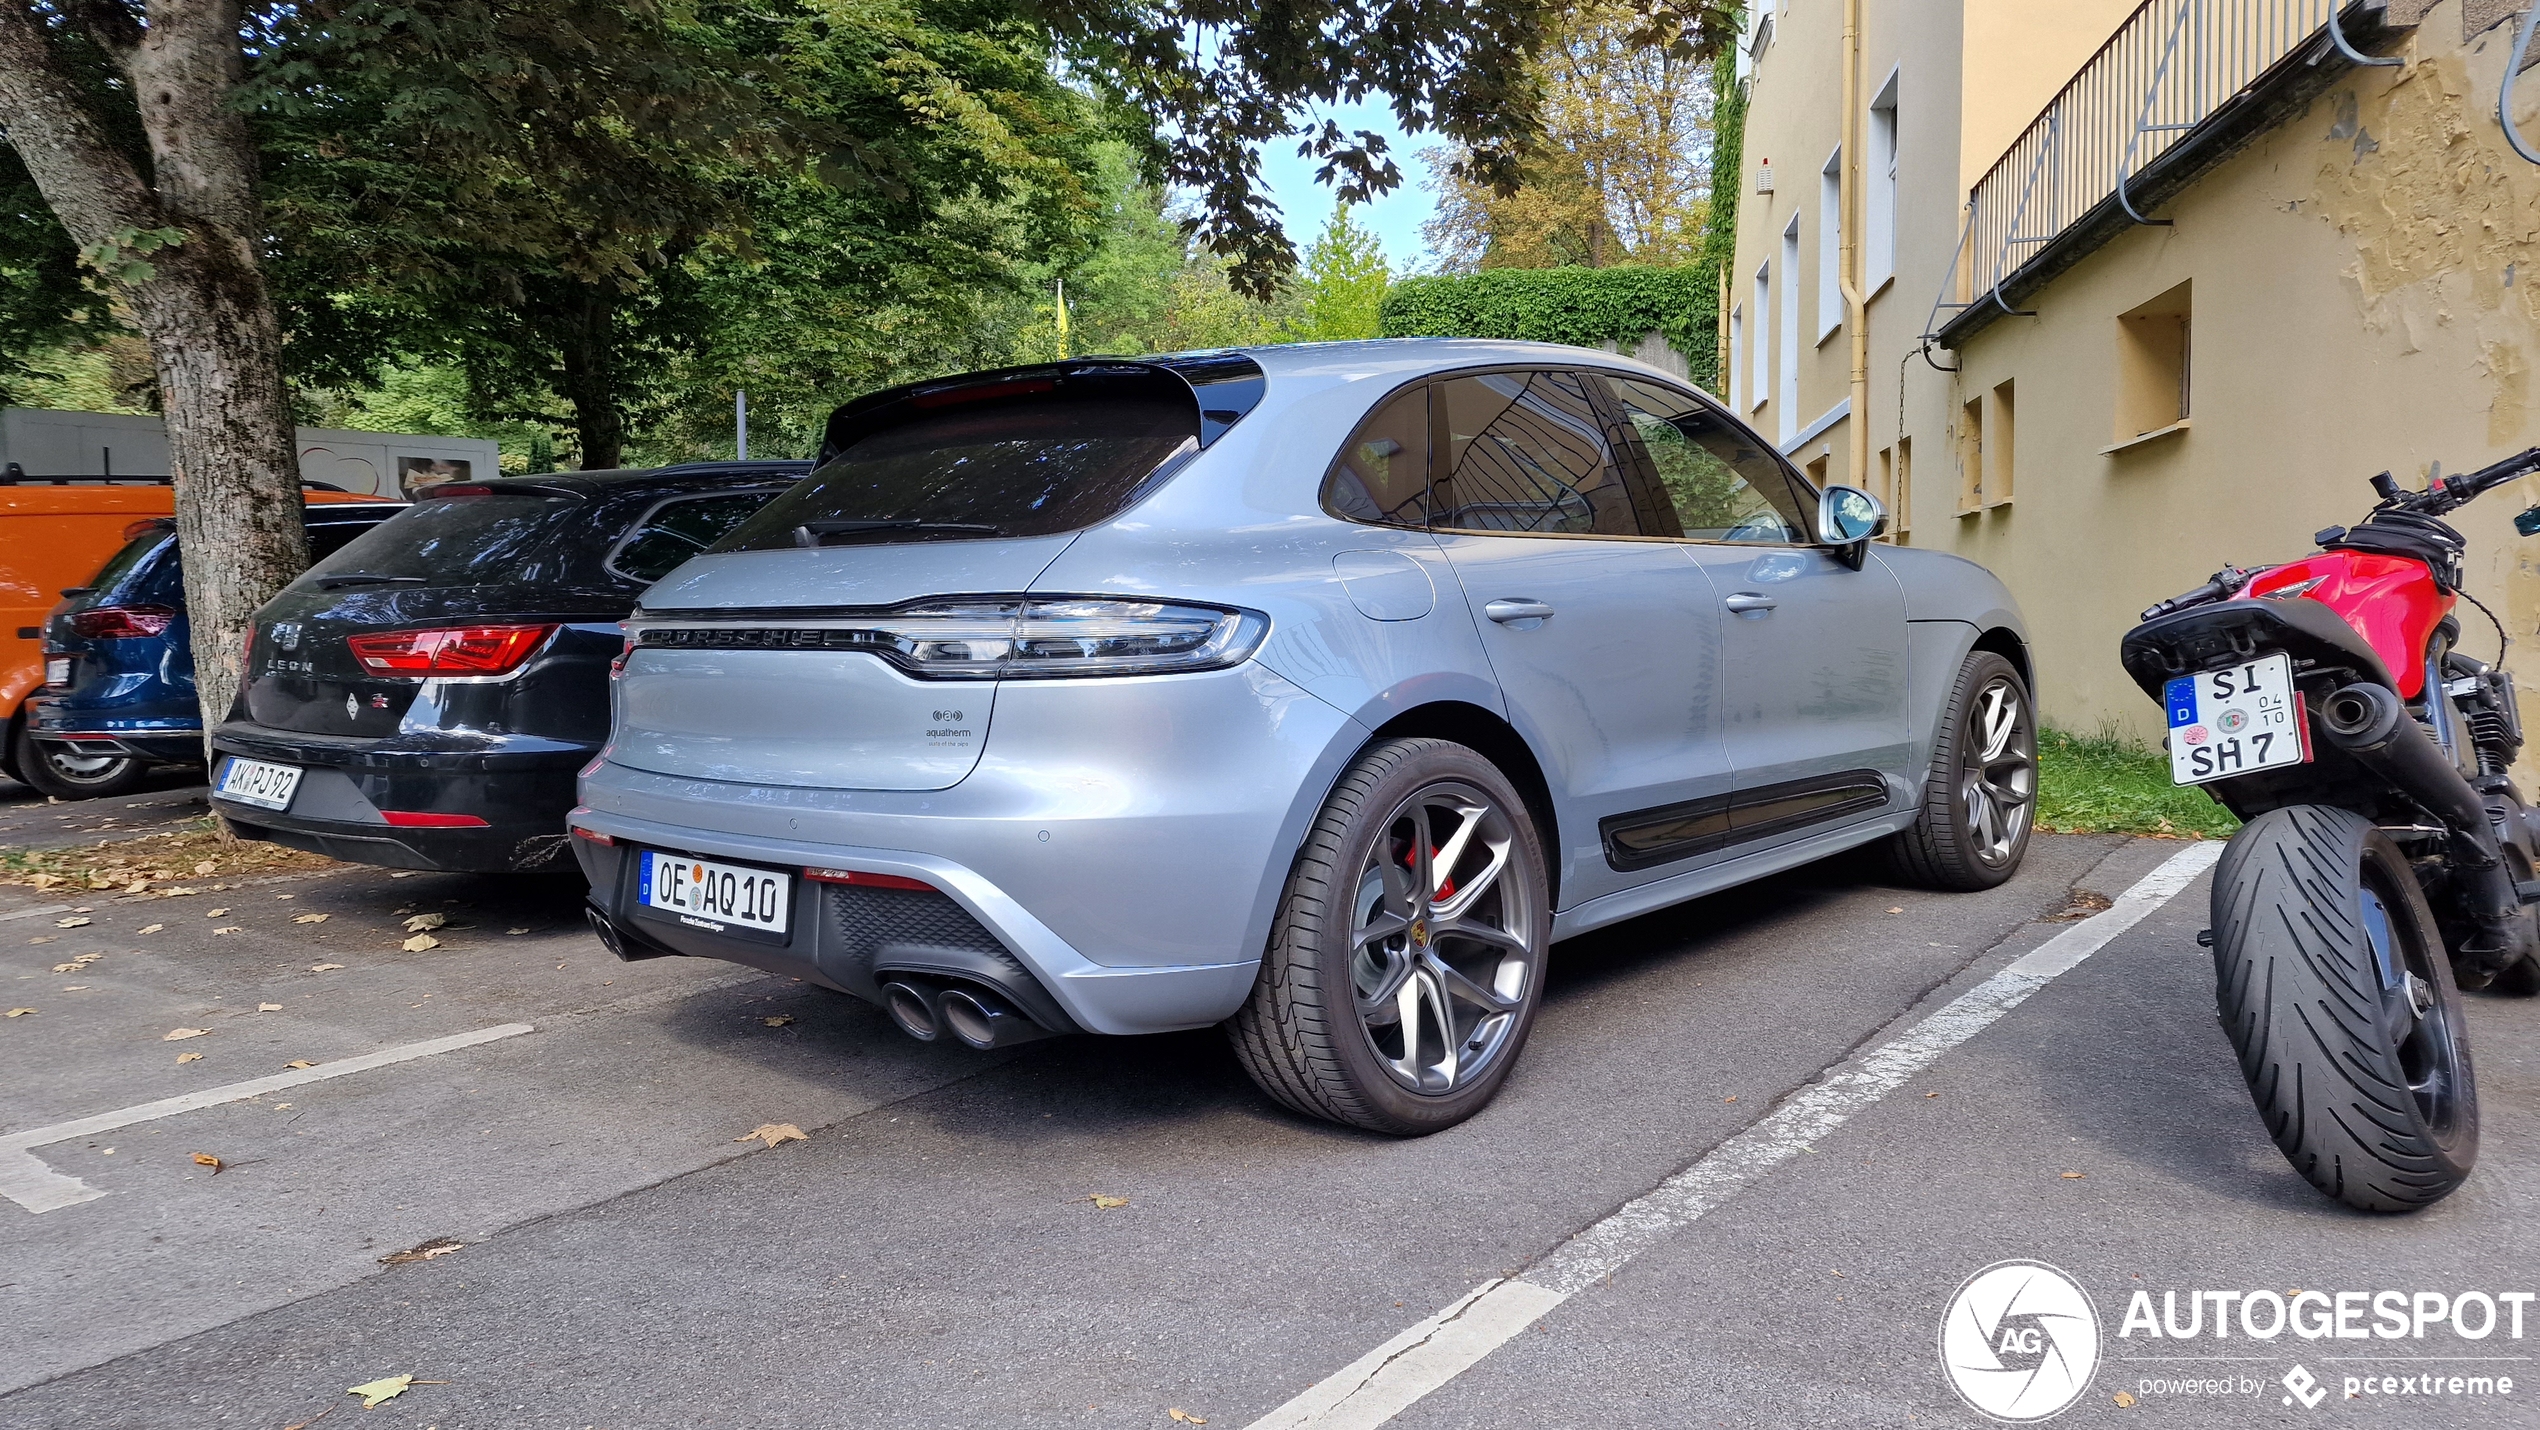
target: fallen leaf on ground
1897 909
68 923
420 942
1732 1097
227 928
2075 1176
68 967
206 1159
268 1007
184 1033
310 919
515 930
779 1021
438 1246
1183 1418
214 913
136 886
401 873
2125 1400
420 922
773 1133
45 881
324 967
384 1389
189 1057
20 1012
1103 1203
154 928
207 866
299 1063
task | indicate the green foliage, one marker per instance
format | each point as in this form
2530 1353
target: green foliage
427 400
1719 228
1342 291
2108 784
1580 306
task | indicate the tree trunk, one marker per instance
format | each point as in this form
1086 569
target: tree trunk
182 247
586 345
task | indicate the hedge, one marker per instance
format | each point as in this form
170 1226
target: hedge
1580 306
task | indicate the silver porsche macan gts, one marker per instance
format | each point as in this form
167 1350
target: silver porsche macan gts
1313 691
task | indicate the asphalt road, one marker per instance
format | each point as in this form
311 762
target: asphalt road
931 1254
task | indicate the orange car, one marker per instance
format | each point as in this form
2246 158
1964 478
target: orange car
55 532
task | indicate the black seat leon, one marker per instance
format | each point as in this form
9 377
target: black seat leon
425 697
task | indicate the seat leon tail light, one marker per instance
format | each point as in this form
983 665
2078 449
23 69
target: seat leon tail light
453 650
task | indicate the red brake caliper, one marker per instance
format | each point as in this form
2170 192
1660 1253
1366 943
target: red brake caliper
1445 891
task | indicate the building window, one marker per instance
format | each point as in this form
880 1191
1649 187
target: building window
1788 387
1971 457
1762 385
2001 444
1830 247
1817 468
2153 348
1878 227
1737 359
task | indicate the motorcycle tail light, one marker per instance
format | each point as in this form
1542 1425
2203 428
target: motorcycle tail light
452 650
112 622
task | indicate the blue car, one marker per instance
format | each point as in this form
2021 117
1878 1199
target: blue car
118 692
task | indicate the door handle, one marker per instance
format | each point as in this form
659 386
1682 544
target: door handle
1750 603
1506 609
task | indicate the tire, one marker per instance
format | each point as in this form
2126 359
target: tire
2362 1079
59 771
1980 798
1350 1020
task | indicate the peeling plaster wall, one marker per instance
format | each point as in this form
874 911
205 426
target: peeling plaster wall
2367 296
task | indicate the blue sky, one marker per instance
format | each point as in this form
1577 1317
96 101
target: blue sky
1305 206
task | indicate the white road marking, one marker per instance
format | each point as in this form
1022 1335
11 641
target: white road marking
38 1188
33 913
1395 1375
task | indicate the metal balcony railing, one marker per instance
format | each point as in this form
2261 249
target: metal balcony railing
2169 69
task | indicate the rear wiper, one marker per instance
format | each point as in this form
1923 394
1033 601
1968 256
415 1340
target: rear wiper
343 579
815 533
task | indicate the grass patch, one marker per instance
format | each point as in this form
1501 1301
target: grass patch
2110 784
144 863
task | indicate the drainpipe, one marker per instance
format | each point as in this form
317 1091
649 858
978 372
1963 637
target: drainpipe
1856 303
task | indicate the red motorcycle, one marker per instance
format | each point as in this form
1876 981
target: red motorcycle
2386 859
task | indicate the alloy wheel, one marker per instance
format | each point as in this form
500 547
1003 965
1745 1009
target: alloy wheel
2414 1017
1997 781
1442 957
73 767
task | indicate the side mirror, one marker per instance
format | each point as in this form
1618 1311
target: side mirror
1847 516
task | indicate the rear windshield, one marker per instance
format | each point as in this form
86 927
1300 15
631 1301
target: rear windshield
1032 468
134 552
499 540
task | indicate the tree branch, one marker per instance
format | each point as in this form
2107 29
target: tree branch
85 179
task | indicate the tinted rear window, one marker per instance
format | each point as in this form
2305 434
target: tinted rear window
124 562
679 528
1029 468
499 540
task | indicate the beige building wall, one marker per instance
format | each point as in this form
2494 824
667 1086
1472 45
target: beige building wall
2025 50
2360 289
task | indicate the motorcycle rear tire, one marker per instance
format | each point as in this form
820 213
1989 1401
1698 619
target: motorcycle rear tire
2362 1078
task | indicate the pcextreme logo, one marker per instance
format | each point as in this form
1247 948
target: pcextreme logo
2020 1341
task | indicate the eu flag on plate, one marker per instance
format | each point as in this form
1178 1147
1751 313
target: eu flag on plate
2180 695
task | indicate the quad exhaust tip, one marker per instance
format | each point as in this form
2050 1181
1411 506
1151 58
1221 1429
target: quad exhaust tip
914 1011
974 1017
